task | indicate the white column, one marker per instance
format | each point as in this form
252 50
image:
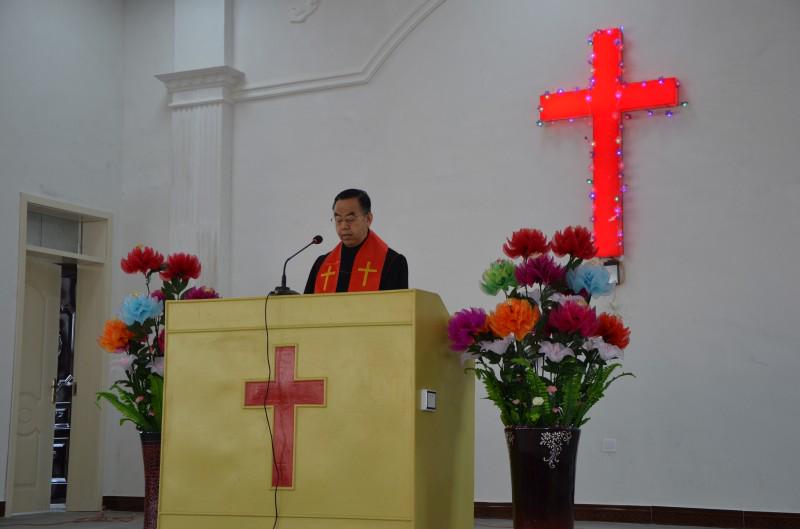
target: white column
200 192
202 129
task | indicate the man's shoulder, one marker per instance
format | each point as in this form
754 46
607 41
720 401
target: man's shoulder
395 257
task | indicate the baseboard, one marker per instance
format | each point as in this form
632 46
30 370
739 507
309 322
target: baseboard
728 519
123 503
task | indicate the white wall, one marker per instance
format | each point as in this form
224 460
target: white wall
60 125
444 139
147 31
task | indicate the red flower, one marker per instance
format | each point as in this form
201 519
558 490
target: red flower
575 241
141 259
574 317
613 331
181 266
524 243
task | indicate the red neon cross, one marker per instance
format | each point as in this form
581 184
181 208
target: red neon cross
605 100
285 394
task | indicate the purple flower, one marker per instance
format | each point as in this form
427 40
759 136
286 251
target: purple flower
542 269
200 293
158 295
463 325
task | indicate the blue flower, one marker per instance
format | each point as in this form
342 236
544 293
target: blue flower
137 309
591 278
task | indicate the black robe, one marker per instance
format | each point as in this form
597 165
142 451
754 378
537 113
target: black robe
394 275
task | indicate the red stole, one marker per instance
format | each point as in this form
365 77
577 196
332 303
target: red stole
366 272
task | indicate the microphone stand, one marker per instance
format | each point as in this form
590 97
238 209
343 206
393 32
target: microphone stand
283 290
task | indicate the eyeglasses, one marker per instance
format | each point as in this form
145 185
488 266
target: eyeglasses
347 219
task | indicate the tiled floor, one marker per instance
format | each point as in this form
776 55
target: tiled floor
130 520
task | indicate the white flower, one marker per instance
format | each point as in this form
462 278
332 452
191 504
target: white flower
605 350
561 298
555 352
535 294
497 346
608 351
123 361
466 356
157 365
538 401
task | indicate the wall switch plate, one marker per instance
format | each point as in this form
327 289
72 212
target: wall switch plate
428 401
609 445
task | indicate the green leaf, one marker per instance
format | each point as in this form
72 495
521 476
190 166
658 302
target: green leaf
128 411
157 390
569 402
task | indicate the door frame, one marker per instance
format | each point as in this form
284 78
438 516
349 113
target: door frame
96 258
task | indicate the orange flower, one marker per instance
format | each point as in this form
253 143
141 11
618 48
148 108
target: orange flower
613 331
515 316
115 336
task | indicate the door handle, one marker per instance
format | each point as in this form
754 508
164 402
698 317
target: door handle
57 384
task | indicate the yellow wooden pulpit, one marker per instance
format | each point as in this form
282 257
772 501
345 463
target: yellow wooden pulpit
354 448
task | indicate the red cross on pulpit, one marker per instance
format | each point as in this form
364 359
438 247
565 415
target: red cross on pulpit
285 394
606 99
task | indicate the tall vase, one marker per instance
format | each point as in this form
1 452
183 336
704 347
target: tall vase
543 476
151 456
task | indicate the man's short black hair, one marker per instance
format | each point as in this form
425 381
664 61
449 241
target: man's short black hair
360 194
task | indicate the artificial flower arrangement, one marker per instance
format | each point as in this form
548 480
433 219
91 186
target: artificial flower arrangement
136 337
544 354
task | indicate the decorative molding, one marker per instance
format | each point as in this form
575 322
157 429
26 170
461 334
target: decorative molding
202 86
641 514
123 503
343 79
214 77
299 14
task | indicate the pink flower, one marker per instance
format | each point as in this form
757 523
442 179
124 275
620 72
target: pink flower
542 270
158 295
139 399
573 317
200 293
463 327
160 340
551 389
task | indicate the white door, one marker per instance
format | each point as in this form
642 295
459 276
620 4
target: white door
35 412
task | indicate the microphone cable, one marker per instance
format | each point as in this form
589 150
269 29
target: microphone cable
275 467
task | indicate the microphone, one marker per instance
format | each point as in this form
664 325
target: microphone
283 290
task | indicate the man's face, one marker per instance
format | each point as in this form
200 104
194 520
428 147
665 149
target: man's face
351 223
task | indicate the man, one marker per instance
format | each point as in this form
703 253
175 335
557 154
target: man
361 261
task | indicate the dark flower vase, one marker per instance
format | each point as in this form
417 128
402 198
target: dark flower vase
151 456
543 476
